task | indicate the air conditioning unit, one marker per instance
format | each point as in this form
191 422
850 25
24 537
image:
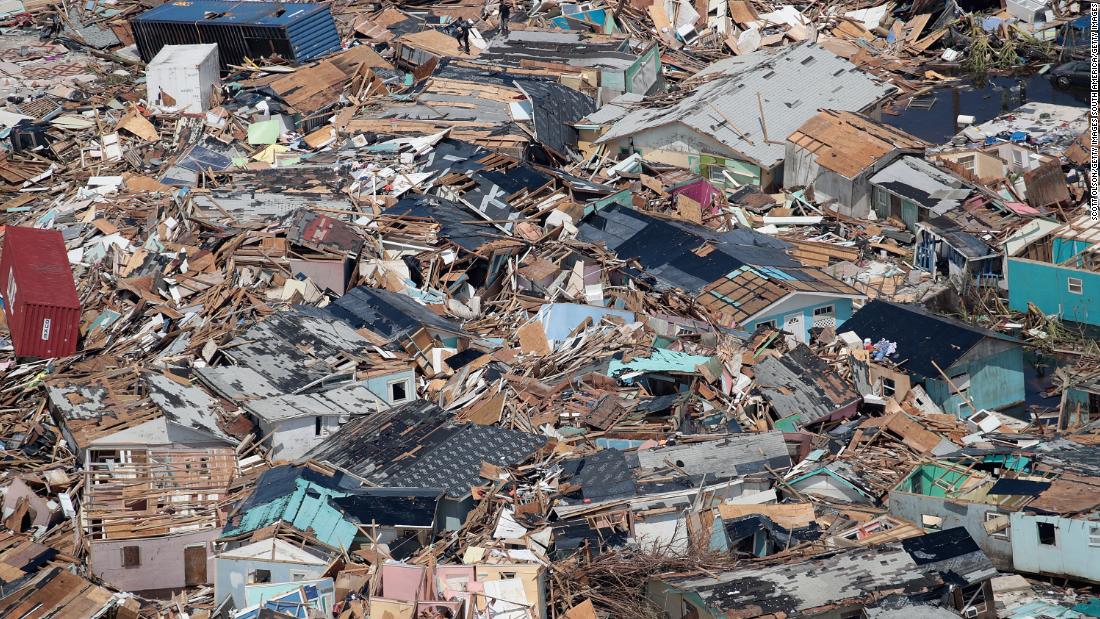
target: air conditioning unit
970 612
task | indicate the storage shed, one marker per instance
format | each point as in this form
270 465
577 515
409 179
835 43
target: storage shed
40 301
295 31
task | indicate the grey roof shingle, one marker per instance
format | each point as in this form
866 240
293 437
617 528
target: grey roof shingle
789 99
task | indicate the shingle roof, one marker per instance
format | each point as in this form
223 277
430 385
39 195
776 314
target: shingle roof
736 274
454 463
800 383
788 99
923 183
922 337
731 456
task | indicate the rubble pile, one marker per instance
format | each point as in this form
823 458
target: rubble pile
548 310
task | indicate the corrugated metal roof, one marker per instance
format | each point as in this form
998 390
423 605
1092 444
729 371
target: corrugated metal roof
787 97
271 14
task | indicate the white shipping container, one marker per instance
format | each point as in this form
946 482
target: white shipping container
186 73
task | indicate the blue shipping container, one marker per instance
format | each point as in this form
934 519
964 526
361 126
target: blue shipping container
296 31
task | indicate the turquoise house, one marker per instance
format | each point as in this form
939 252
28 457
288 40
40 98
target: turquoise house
744 279
1059 273
963 368
299 497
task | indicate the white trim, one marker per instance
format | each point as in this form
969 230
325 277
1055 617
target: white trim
833 295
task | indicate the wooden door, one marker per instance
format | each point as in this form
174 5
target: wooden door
194 565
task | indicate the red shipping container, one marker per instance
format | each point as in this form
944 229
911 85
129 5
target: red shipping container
40 299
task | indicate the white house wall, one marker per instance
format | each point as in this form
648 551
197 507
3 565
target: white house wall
231 575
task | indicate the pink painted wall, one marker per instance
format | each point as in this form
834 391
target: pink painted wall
161 561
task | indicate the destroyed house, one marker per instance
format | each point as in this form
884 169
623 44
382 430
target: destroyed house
604 67
835 154
743 278
297 423
393 318
405 519
649 494
707 131
419 446
946 247
945 568
1059 273
1025 520
33 585
803 390
912 190
271 560
101 418
326 250
299 497
147 505
304 350
963 368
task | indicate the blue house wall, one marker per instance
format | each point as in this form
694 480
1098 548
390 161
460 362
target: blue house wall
1046 286
996 381
1074 552
842 310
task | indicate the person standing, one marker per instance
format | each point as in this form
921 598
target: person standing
464 34
505 13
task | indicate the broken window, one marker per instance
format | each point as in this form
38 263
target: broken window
967 162
399 392
889 387
297 576
960 382
996 524
259 576
1047 535
1094 536
766 324
318 425
931 523
131 556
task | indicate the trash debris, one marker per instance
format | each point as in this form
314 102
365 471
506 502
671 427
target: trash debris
538 310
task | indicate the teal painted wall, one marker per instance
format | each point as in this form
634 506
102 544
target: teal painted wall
380 385
996 381
842 310
1045 285
1064 249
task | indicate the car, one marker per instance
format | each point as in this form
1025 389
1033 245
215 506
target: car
1074 73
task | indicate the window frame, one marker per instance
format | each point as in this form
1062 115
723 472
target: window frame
1054 533
1003 534
127 564
770 323
1094 536
892 387
820 311
1071 282
404 382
